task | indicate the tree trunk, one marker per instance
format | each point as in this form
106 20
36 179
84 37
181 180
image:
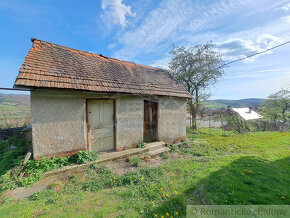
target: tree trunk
196 108
283 114
192 113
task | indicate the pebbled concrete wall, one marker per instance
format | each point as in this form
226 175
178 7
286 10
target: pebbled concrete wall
59 121
58 124
129 120
172 119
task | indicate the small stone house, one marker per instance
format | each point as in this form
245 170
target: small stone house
85 101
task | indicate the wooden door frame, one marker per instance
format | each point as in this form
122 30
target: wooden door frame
157 115
87 121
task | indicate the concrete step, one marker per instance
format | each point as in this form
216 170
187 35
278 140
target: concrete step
120 154
154 145
158 151
153 148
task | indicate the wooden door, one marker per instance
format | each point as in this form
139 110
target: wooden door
101 125
150 121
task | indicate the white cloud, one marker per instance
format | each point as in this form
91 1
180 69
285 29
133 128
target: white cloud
258 74
286 18
285 7
169 22
192 22
115 11
161 63
276 27
235 48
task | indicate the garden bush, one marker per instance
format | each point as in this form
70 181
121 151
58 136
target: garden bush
34 169
83 157
46 164
164 155
12 153
173 148
141 145
135 161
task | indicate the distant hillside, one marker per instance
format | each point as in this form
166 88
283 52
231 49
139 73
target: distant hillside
14 110
14 99
223 103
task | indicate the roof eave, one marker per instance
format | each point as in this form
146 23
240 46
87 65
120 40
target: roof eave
34 88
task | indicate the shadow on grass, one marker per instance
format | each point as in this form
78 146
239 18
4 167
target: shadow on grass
245 181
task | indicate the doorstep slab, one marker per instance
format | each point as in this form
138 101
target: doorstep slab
110 156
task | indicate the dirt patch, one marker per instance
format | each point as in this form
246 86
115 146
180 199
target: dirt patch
122 166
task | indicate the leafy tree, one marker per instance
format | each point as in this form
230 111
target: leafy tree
197 68
277 106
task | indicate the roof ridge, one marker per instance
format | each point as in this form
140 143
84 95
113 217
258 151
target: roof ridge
100 55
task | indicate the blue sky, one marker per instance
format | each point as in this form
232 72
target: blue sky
144 31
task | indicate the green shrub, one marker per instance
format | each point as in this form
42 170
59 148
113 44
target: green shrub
10 158
5 200
6 183
46 164
151 173
83 157
4 146
95 184
130 178
31 178
173 148
98 178
101 170
49 196
73 178
94 166
34 169
56 186
164 155
141 145
135 161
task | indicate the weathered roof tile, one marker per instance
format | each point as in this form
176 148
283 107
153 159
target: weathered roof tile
49 65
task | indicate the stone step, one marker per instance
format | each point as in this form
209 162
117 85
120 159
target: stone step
120 154
154 145
158 151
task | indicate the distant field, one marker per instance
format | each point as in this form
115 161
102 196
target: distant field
14 110
223 103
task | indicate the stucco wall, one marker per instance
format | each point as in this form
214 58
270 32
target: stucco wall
172 119
59 120
58 123
129 119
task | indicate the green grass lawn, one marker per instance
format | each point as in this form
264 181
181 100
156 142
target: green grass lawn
210 168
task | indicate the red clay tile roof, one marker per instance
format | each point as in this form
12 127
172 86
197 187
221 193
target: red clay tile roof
49 65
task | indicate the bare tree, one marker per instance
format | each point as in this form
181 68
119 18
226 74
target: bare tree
196 68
